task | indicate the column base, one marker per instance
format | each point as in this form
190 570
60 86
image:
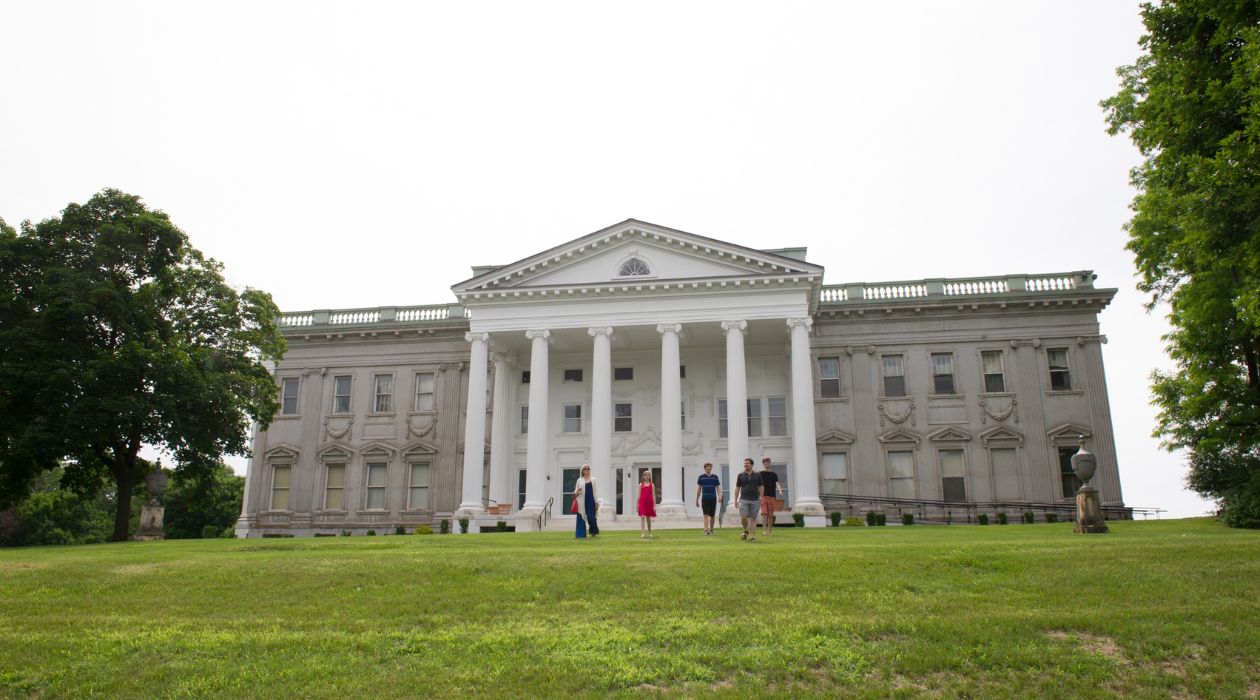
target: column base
810 508
469 511
671 511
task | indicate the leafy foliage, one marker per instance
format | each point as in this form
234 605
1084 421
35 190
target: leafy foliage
1191 104
194 504
116 333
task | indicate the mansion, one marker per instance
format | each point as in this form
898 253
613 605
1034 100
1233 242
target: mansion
640 347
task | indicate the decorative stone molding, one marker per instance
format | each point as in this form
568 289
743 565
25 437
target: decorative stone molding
1069 435
421 425
1034 342
835 437
663 328
1081 340
471 336
332 432
886 415
538 333
418 449
600 330
447 366
377 449
629 444
999 415
281 453
741 326
694 445
333 453
806 321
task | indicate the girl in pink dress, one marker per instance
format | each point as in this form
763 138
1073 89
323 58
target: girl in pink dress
647 505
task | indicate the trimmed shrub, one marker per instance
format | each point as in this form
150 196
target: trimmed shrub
907 518
871 517
1001 518
1240 506
853 522
345 533
501 526
799 519
1028 518
984 518
210 532
1052 517
463 526
836 518
423 530
371 533
400 530
444 527
228 533
881 519
319 534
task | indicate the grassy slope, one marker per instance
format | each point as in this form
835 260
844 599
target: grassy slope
1154 608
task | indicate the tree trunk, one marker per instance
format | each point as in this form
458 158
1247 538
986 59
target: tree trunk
122 516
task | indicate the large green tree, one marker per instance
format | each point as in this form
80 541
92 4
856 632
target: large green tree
116 333
1191 104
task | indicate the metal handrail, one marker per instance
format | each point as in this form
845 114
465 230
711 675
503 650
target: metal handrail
545 513
972 509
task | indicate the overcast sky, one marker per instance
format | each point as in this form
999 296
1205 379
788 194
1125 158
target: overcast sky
366 154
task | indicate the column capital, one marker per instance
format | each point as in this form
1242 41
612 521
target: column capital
600 330
538 333
472 336
668 328
807 322
729 326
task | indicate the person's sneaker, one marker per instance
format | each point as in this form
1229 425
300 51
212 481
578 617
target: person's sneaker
743 535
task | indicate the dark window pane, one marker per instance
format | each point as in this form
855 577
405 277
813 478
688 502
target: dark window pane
895 386
573 375
994 383
954 488
943 383
623 374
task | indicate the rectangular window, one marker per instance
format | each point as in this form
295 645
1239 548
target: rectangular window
425 383
722 432
682 413
623 417
942 373
573 376
376 477
289 396
682 371
835 472
280 487
341 394
418 487
335 487
777 414
953 476
520 489
525 377
754 418
829 377
1070 483
623 374
994 375
1005 474
894 375
384 393
1060 378
524 420
901 474
572 418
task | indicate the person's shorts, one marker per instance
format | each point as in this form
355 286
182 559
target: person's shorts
748 509
708 506
767 505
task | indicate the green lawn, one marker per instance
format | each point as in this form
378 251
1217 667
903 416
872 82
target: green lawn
1153 609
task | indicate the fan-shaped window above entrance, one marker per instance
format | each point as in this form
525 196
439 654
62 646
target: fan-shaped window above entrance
633 267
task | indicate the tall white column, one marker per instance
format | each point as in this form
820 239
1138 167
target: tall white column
602 418
501 485
475 426
671 423
804 445
539 410
736 403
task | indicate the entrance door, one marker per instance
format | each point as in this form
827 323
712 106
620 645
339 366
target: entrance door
633 503
568 481
621 489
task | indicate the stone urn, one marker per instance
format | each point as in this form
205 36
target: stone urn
1084 464
155 484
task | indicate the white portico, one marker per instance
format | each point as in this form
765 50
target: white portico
635 348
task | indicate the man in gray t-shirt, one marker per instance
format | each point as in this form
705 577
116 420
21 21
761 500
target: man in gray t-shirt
749 491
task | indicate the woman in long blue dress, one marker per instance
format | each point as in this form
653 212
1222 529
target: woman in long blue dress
588 504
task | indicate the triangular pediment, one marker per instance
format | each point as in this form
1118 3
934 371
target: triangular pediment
949 435
1001 434
900 435
835 437
418 449
281 453
634 253
334 453
377 449
1069 434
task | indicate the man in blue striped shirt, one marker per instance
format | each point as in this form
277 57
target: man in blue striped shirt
708 495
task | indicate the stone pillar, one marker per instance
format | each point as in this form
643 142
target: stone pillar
539 410
804 446
736 403
671 423
475 426
501 484
602 419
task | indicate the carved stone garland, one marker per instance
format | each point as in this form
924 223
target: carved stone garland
999 416
899 419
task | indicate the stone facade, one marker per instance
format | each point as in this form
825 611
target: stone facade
639 346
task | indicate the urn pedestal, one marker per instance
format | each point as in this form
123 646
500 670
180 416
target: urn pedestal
1089 517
